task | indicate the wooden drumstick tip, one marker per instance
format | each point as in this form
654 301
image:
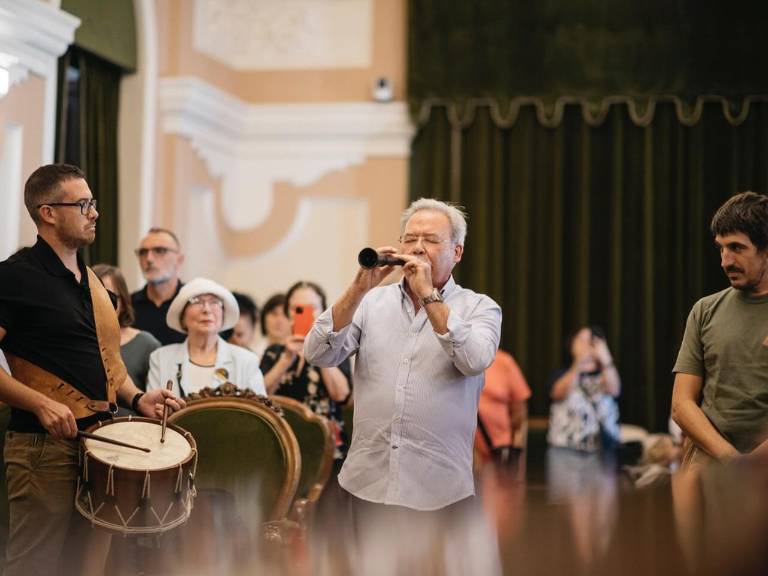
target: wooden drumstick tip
168 386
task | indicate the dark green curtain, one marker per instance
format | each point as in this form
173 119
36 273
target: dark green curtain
591 141
590 49
88 98
580 225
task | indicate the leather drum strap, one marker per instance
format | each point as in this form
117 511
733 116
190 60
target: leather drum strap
108 336
54 388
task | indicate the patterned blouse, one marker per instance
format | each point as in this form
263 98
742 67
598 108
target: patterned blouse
307 386
585 419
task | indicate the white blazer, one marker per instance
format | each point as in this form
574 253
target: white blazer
242 366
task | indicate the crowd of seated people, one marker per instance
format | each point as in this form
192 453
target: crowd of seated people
207 335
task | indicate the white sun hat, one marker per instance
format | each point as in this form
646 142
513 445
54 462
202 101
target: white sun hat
198 287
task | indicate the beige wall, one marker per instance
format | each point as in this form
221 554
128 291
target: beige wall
21 110
177 57
309 230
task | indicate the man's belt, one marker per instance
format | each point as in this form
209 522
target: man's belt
55 388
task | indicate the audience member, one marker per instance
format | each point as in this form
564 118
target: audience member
287 373
201 310
584 415
503 407
160 257
661 458
275 324
242 333
135 345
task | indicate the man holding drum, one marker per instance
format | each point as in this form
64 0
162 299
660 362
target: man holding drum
59 331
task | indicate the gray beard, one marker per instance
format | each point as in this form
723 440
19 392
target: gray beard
158 281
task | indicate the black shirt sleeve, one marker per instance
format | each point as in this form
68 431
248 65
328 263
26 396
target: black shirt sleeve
8 296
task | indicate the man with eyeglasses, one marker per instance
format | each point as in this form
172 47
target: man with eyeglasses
160 258
60 334
422 348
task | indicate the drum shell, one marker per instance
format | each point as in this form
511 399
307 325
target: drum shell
119 504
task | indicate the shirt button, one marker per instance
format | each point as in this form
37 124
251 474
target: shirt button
405 361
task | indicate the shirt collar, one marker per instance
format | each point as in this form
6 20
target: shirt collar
44 254
445 291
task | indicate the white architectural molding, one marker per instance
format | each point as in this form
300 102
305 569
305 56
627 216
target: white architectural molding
250 147
221 125
36 34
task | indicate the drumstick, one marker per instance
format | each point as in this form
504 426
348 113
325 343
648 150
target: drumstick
110 441
168 386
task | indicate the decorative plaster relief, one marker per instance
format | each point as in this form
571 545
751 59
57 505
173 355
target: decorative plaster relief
285 34
249 148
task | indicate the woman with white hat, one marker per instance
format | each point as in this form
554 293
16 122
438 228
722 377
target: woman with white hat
202 309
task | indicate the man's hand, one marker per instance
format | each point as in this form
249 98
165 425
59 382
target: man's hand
57 419
418 273
365 279
151 404
344 308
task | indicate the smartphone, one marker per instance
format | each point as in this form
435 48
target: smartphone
303 318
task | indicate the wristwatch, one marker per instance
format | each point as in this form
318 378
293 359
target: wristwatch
433 297
135 401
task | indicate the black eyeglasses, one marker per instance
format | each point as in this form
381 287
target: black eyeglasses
156 250
85 205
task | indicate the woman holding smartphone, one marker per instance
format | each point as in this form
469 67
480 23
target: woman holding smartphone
584 414
286 373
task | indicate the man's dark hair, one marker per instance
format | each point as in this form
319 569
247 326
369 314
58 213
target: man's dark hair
43 185
159 230
274 301
247 306
746 213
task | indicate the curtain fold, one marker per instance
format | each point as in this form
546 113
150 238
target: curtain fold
580 225
89 90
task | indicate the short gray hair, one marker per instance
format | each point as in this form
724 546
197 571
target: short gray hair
455 213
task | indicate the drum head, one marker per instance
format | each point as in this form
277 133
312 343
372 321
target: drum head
174 450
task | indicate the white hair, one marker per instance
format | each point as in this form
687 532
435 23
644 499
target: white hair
455 213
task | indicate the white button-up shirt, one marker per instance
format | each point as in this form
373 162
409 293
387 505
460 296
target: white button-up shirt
415 393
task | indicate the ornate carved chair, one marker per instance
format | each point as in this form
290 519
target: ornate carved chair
316 446
248 470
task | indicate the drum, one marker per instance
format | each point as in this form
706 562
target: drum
132 492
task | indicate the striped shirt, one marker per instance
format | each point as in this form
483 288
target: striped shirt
416 393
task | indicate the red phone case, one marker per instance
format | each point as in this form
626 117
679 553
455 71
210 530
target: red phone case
302 321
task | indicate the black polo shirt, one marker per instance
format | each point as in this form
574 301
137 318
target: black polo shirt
151 318
48 319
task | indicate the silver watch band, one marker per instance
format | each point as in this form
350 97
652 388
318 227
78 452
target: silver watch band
434 297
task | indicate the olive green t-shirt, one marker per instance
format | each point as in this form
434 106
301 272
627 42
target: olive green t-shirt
725 344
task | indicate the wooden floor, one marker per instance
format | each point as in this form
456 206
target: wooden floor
562 516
